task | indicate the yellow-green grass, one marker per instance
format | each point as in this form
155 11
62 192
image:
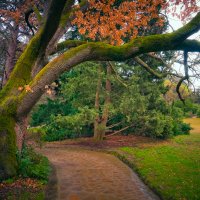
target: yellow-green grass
195 123
172 168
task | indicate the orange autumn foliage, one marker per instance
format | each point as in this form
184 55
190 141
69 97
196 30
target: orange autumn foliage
114 20
14 12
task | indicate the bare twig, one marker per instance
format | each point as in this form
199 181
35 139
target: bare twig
116 132
118 78
148 68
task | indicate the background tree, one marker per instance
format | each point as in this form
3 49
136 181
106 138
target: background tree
97 28
19 21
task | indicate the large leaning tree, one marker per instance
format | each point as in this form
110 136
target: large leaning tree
35 68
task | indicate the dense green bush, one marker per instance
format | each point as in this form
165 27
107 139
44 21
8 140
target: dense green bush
181 128
159 126
185 128
144 106
55 133
189 109
56 130
32 164
42 114
70 126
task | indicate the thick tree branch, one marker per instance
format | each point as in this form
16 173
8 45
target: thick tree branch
65 23
89 51
54 16
68 12
173 41
36 47
189 29
102 52
188 45
67 45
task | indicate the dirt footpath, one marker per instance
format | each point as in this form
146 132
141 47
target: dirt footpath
90 175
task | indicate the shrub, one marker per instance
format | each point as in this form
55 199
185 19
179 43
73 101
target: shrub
55 134
177 113
42 114
185 128
181 128
159 126
189 108
32 164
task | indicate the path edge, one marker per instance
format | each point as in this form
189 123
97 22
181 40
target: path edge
133 167
51 191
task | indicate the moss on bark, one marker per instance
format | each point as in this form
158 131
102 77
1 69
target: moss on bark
8 163
21 75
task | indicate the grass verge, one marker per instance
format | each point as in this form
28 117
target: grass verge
172 169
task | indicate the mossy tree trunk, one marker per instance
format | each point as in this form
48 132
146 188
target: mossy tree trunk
16 104
12 137
8 163
12 123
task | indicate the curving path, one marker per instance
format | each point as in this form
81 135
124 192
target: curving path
90 175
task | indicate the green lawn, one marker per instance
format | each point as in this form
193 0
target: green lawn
171 168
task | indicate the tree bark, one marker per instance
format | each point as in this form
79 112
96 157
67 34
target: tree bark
21 132
101 121
11 55
8 162
97 104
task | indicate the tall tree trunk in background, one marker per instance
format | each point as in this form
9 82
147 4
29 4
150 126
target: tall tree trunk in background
97 103
101 121
11 54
